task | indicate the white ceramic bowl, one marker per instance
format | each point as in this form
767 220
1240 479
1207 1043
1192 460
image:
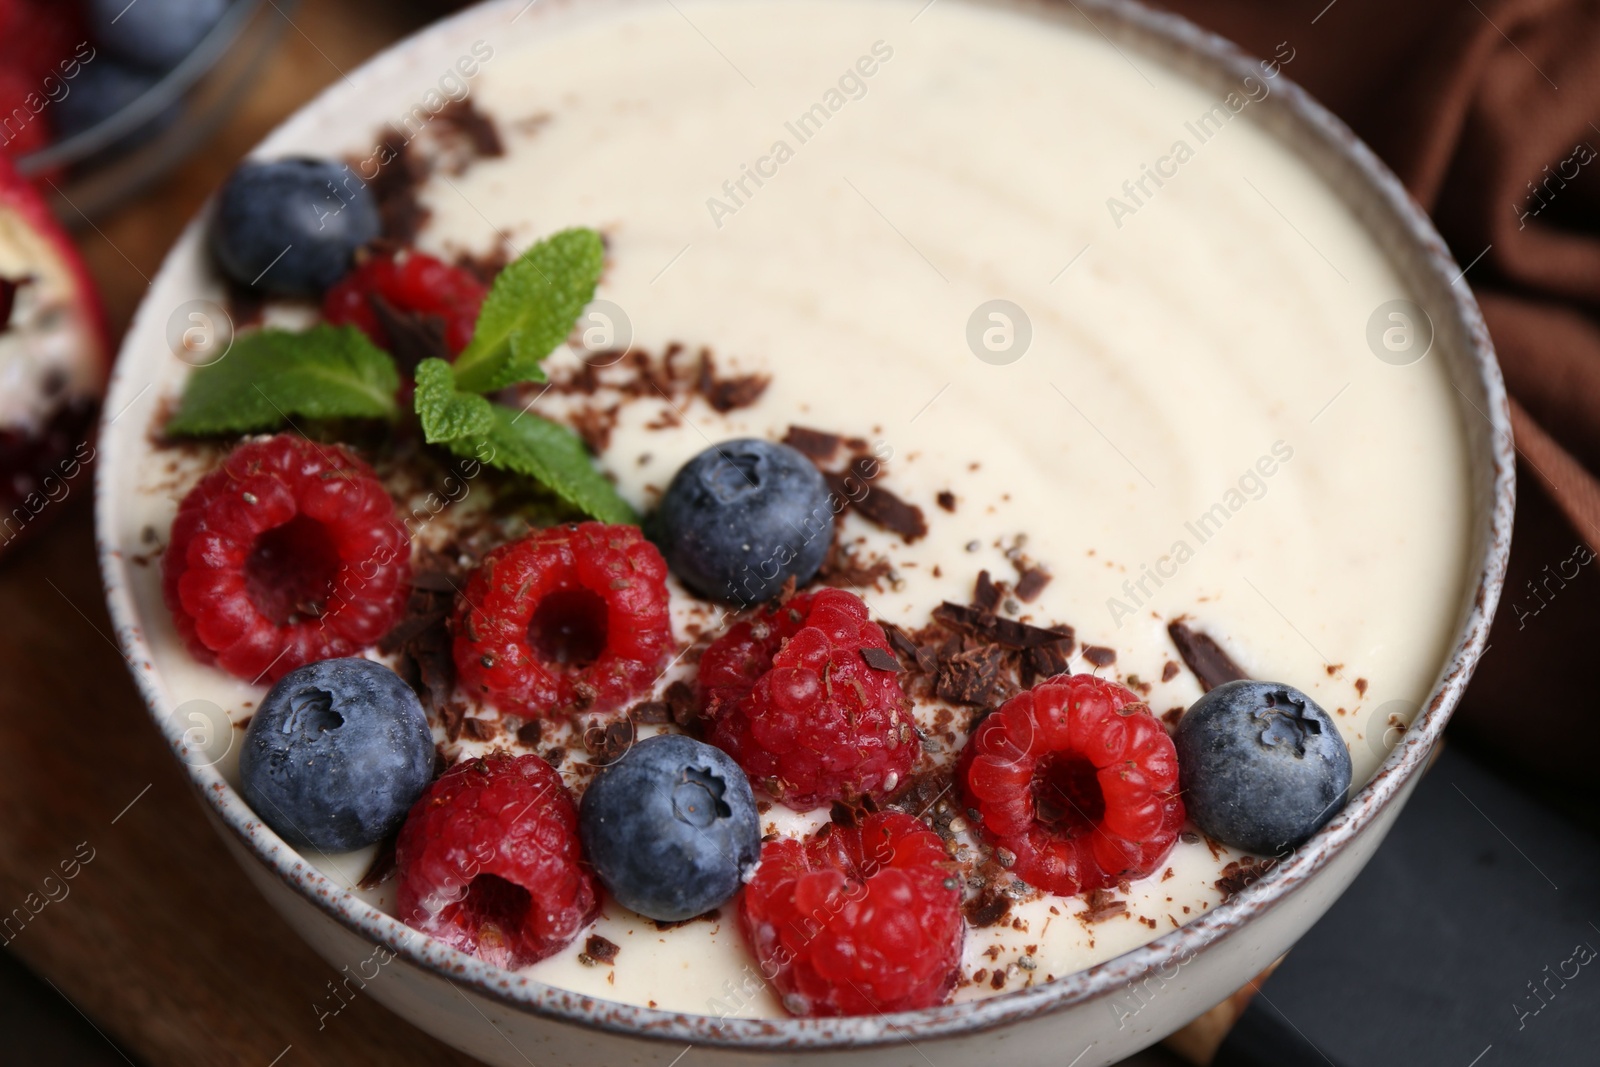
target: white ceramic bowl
503 1018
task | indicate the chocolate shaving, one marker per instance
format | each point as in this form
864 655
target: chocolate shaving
452 715
819 446
1008 633
610 743
971 677
601 950
478 729
1099 655
530 733
1210 664
435 581
604 380
729 394
882 508
382 866
595 426
485 266
946 500
1031 582
410 628
400 173
411 338
1240 874
651 712
683 706
1169 671
1046 661
474 126
853 485
986 596
1102 905
881 659
437 669
925 789
422 641
844 567
921 659
987 909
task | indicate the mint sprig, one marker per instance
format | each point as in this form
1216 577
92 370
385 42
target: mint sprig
516 441
546 450
530 310
446 413
272 376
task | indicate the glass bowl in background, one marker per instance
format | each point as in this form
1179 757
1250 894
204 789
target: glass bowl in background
96 169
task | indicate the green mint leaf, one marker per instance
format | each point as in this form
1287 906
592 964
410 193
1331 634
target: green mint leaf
447 414
524 443
272 376
530 309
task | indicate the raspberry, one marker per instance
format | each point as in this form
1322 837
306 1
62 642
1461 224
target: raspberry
571 616
793 698
408 281
489 862
857 920
1078 780
286 555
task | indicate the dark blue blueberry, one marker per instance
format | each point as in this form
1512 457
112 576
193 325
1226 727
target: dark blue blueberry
743 517
671 828
102 89
336 755
152 33
291 227
1262 767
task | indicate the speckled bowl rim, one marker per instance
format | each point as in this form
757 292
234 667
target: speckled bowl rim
1142 29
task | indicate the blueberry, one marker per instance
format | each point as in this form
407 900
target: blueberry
336 755
1261 766
671 828
744 516
291 227
152 33
102 89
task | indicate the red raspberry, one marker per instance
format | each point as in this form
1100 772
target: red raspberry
858 920
569 616
489 862
1078 780
793 698
288 554
409 281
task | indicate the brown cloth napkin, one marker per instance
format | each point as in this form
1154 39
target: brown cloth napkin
1489 111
